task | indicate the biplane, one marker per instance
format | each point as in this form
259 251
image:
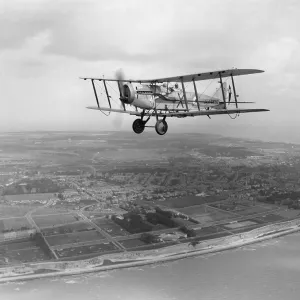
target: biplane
163 98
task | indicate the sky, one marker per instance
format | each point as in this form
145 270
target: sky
45 46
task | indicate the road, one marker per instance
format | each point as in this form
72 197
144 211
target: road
33 224
108 237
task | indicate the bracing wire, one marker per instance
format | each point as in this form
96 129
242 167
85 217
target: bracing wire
211 81
105 114
225 81
113 90
233 118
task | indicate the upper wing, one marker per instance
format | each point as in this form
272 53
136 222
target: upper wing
188 78
182 114
207 75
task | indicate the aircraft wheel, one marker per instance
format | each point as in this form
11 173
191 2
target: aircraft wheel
161 127
138 126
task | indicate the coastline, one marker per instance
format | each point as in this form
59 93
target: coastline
139 258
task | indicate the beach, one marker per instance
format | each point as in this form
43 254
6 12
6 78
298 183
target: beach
141 258
267 270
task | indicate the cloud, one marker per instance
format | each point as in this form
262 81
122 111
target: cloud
196 34
46 45
22 20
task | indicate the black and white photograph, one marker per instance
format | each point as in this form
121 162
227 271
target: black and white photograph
149 150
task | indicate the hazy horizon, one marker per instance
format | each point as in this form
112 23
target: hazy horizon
46 46
148 133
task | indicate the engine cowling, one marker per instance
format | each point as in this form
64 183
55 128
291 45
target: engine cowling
128 93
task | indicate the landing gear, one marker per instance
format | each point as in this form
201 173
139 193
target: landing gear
138 126
161 127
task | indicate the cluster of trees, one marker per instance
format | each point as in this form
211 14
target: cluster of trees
170 214
137 221
292 204
174 181
149 238
133 223
60 196
28 186
167 213
158 218
294 195
189 231
291 199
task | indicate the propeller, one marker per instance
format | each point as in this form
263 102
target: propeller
118 120
120 76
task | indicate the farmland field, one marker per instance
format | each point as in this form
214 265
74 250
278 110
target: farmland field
91 214
15 223
52 220
49 211
2 227
239 224
28 255
115 230
132 243
74 251
194 210
103 221
18 245
212 236
187 201
253 210
69 228
70 238
217 215
111 227
207 230
290 213
207 214
245 228
15 211
153 246
270 218
214 216
31 197
228 206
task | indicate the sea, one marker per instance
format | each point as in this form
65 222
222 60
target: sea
268 270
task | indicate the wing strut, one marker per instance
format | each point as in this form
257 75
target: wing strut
108 97
224 100
196 94
95 92
184 95
234 92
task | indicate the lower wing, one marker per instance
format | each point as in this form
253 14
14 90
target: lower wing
180 113
195 113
